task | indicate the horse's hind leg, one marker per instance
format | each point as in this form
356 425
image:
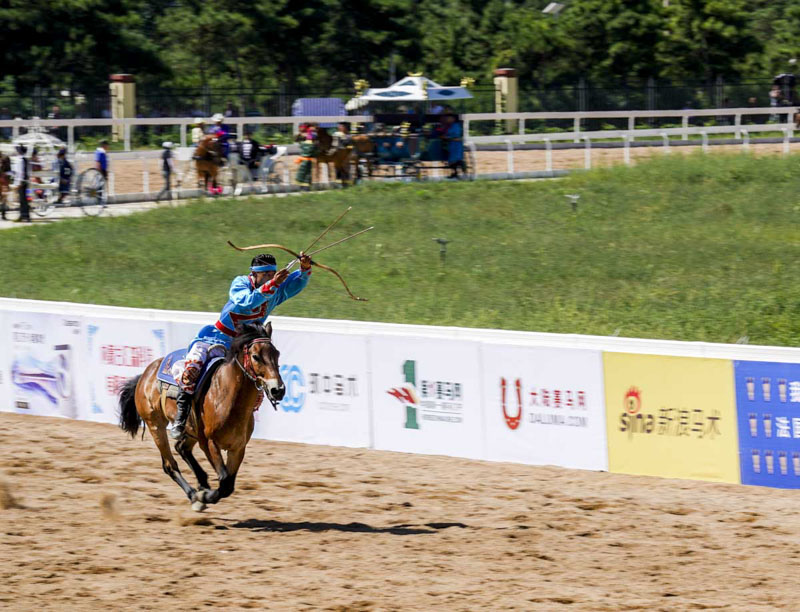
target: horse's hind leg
168 462
184 448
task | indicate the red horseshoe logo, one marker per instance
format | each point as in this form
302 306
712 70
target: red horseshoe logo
511 421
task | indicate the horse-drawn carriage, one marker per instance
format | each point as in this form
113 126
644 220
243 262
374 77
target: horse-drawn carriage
413 146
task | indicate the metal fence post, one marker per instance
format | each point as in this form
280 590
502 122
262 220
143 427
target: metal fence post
183 134
685 126
126 130
737 123
785 141
576 127
666 142
510 156
626 152
548 155
745 135
522 127
71 138
587 153
145 176
632 126
704 135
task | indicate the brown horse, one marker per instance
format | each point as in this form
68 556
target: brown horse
5 181
222 417
208 160
340 158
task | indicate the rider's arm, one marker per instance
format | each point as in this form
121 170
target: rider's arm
243 294
293 285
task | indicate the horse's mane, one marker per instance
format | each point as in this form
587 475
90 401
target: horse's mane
247 332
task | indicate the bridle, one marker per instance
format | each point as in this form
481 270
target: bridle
247 369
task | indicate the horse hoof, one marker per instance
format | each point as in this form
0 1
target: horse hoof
198 506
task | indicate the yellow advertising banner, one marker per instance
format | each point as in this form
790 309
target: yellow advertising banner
671 416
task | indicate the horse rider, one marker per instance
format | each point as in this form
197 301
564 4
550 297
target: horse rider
251 299
220 130
198 131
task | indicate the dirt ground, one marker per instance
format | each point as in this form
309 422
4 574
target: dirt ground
89 521
129 174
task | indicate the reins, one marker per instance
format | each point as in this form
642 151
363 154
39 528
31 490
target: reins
247 366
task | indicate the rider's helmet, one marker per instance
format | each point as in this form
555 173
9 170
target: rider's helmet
217 118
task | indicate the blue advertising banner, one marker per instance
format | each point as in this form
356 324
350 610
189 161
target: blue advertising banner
768 407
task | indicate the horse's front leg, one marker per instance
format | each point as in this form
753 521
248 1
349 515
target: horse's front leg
184 448
214 456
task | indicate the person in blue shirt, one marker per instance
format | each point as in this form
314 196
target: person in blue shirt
454 144
251 299
101 158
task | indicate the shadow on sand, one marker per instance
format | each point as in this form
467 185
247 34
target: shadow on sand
261 525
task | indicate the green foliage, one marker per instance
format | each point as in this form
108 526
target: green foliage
324 45
689 248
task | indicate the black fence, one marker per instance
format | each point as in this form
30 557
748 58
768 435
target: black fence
580 96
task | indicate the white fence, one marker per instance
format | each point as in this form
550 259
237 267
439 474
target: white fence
482 394
737 129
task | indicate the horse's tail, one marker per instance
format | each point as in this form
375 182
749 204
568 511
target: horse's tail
129 419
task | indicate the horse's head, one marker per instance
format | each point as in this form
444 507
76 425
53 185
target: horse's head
259 358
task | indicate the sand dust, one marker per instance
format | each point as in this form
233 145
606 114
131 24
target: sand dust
311 527
129 174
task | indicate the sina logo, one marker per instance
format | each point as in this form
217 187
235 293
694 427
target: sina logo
407 394
632 420
633 400
511 420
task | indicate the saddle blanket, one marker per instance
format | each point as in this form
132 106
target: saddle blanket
165 369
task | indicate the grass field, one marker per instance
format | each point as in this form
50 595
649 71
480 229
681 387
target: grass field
690 248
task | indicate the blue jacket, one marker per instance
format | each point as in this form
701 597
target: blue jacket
250 304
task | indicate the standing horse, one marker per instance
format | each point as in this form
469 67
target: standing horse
208 160
222 417
340 158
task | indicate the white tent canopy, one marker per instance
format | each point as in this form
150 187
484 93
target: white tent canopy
412 89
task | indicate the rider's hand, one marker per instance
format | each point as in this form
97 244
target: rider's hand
280 276
305 261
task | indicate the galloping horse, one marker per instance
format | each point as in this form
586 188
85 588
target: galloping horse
340 158
208 160
222 417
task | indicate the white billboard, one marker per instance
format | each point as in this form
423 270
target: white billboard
118 349
426 396
5 363
545 406
327 392
42 366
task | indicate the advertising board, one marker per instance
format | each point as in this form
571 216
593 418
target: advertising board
426 396
768 406
671 416
545 406
118 349
43 363
327 391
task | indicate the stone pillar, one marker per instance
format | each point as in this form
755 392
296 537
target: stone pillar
122 88
506 96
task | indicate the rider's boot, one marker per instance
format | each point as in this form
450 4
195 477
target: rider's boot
184 402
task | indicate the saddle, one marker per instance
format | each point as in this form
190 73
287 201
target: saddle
169 387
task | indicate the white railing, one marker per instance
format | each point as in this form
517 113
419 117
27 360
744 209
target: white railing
576 135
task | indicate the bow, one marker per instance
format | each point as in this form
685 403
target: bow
297 256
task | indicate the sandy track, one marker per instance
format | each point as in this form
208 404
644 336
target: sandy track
128 174
101 527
